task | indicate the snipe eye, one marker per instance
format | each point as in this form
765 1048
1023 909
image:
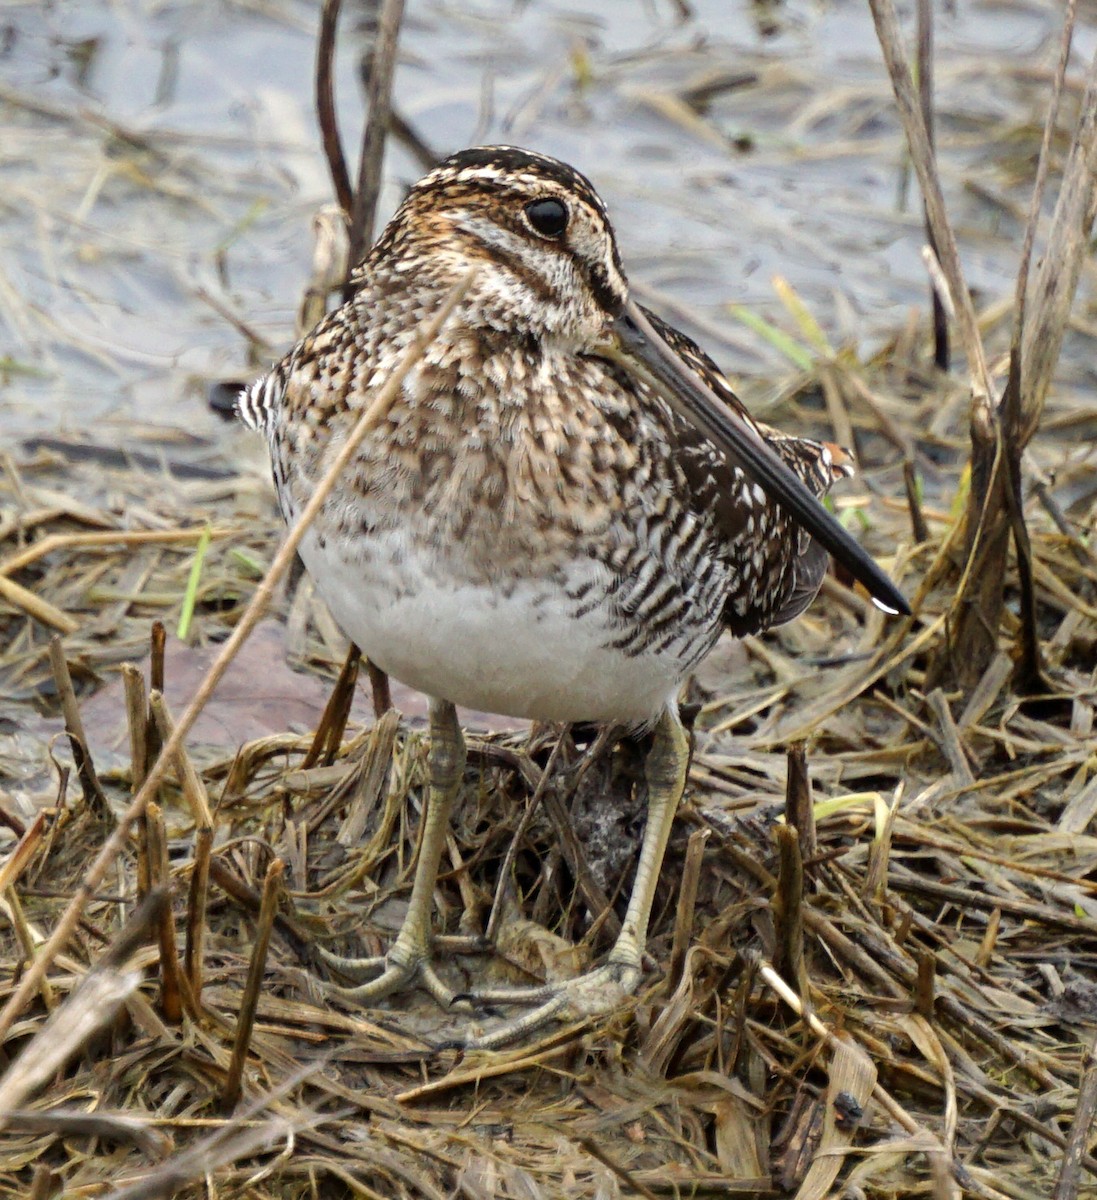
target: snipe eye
547 217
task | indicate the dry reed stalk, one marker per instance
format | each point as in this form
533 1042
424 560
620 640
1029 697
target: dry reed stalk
197 903
249 1002
687 906
54 542
197 799
799 804
137 723
949 739
143 875
1067 1185
34 606
923 161
889 972
382 65
932 1146
905 880
193 789
333 722
375 412
626 1176
379 689
232 885
231 1141
371 787
325 106
44 1184
25 849
297 932
471 904
157 644
109 1126
26 942
474 1069
918 527
171 999
787 904
875 884
1000 433
924 992
987 690
925 97
94 795
1036 345
985 953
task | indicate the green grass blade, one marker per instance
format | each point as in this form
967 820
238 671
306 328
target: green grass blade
777 338
810 329
191 595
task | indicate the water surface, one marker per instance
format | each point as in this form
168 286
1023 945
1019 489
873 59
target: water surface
160 168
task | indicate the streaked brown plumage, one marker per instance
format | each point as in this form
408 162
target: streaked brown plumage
539 527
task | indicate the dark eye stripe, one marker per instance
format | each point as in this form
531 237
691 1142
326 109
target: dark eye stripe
539 286
597 278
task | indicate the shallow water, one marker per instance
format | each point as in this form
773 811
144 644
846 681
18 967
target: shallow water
159 170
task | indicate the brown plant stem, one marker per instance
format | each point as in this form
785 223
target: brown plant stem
325 106
382 63
925 96
1066 1186
333 720
94 796
249 1003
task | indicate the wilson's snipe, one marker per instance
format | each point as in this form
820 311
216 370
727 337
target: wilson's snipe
559 515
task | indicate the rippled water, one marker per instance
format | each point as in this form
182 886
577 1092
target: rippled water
159 170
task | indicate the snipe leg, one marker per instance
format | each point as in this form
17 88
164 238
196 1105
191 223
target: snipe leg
407 963
599 991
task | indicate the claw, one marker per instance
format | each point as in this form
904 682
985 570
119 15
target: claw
398 975
589 996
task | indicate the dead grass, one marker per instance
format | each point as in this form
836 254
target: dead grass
899 1000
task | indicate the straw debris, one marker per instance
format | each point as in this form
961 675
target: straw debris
894 998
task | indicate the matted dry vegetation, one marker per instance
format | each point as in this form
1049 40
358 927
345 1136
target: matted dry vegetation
880 982
936 914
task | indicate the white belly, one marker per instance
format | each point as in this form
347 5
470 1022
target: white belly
517 650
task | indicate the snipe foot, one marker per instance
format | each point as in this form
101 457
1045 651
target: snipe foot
396 971
594 994
600 991
407 964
